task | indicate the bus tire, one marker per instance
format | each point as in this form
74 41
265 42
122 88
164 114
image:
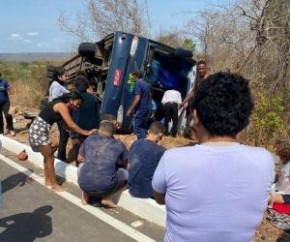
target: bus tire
87 49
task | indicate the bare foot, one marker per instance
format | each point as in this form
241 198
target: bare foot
84 198
109 203
47 183
57 188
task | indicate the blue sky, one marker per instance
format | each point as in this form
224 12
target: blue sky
31 25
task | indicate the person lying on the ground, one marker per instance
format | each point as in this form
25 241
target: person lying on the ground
57 110
216 190
144 156
102 156
281 191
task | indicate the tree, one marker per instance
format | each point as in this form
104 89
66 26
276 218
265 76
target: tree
189 44
176 38
173 37
102 17
251 37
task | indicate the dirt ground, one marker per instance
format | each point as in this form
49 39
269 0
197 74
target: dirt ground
266 232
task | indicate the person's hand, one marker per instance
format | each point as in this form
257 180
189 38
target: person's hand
92 131
117 124
90 89
129 112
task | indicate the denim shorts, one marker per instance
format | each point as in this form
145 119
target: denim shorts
107 192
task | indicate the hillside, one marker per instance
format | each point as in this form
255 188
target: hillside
30 57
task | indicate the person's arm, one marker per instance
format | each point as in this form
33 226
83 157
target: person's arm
159 184
80 158
10 90
159 197
62 109
81 153
189 96
123 161
134 104
164 98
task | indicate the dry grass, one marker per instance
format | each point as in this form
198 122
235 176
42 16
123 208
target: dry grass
26 95
167 142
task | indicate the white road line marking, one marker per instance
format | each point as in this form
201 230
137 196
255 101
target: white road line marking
122 227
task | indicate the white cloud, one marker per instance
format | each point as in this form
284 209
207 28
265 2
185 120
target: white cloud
15 35
32 33
58 40
17 38
43 44
27 41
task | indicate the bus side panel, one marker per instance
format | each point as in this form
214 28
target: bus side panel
116 74
134 62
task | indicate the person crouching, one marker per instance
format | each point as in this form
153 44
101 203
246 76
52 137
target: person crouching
101 156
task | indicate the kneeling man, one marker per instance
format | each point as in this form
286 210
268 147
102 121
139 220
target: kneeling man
144 156
102 156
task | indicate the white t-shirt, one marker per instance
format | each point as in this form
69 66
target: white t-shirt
171 96
214 193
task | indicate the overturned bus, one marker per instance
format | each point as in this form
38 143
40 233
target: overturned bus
109 62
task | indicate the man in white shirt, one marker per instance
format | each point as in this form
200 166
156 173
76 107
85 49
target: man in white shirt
171 100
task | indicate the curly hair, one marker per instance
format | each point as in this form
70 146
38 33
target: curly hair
224 104
282 147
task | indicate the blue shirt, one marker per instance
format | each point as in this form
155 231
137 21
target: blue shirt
103 155
4 86
144 156
142 88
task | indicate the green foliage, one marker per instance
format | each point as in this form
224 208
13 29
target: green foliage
189 44
24 64
28 80
267 118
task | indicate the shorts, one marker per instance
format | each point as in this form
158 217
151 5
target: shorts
102 193
39 134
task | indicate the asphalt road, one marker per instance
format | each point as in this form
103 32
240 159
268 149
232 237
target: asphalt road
32 212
